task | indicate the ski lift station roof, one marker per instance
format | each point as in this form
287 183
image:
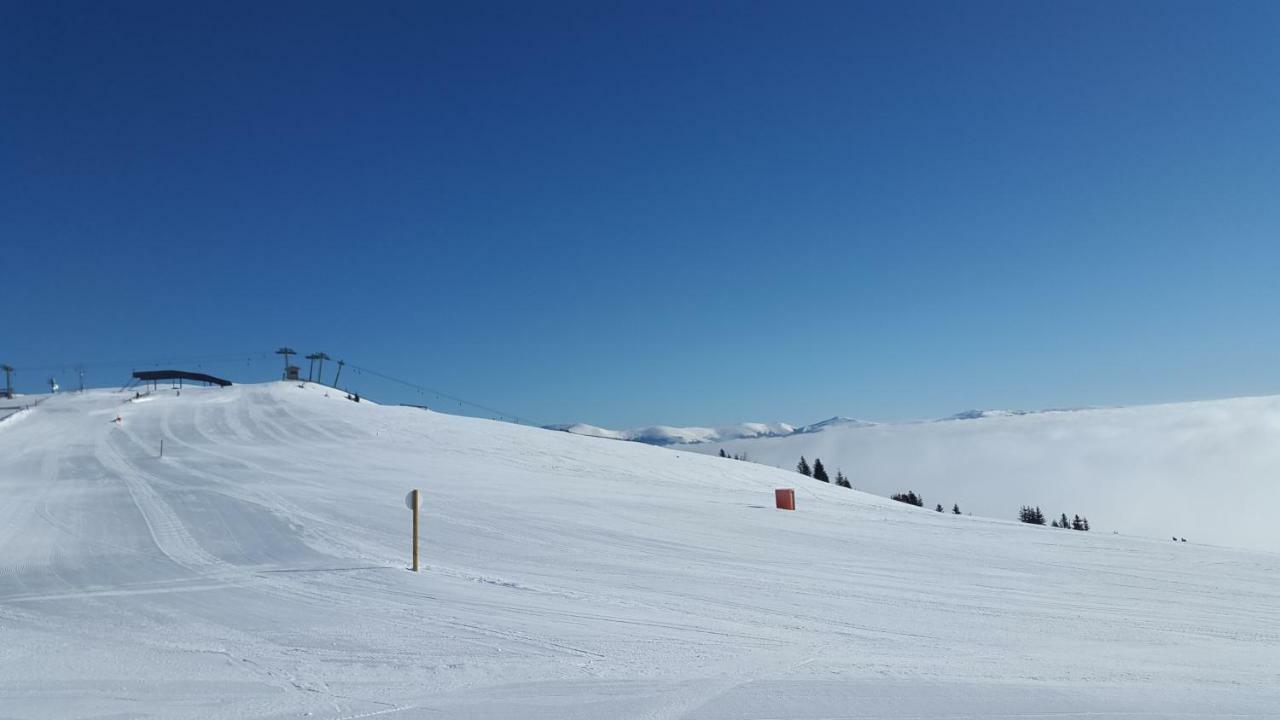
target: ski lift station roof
154 375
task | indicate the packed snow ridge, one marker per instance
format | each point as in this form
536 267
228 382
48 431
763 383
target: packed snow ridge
255 568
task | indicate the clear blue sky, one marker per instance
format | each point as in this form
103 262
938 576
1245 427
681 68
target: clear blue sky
642 213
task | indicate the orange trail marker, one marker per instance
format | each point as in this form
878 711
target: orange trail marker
786 498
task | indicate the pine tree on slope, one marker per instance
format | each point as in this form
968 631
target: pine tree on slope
1030 515
909 497
819 472
955 509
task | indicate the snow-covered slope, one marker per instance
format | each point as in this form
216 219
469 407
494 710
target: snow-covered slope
10 407
1201 470
257 570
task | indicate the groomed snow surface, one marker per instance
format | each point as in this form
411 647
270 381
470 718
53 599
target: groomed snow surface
257 569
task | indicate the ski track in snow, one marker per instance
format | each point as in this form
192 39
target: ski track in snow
257 570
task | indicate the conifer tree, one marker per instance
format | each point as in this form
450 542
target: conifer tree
938 508
1062 522
1075 524
842 481
1055 523
909 497
722 453
802 467
819 472
955 509
1084 525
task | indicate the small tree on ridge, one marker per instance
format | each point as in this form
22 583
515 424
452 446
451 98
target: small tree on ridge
819 472
909 497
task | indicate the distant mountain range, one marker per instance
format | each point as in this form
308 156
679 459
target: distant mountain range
669 435
1202 470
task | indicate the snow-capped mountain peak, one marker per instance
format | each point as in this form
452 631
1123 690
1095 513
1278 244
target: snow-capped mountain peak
832 422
